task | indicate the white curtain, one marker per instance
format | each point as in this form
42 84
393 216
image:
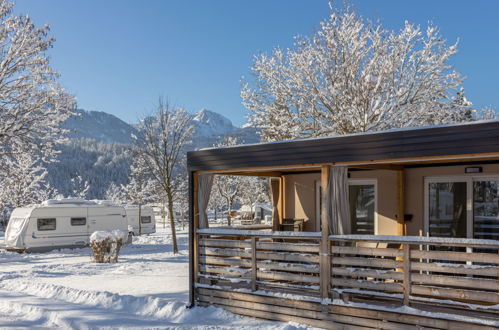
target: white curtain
274 197
204 191
340 205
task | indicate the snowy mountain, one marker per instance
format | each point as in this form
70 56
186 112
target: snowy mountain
209 123
99 126
96 150
209 128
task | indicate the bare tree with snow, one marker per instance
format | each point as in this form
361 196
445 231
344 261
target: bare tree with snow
253 190
353 76
161 146
33 104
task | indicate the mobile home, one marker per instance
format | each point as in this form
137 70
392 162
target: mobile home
363 226
147 223
63 223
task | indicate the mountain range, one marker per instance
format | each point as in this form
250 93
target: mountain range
209 128
96 149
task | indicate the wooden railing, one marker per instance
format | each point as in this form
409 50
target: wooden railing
459 272
280 262
404 270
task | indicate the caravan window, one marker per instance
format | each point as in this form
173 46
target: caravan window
145 219
78 221
46 224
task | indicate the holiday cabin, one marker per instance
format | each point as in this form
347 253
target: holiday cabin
393 229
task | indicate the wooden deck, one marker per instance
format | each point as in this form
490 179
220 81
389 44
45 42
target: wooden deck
360 282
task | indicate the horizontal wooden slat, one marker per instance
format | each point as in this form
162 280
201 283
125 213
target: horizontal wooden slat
302 268
293 247
287 277
311 290
224 261
225 252
470 283
371 285
456 256
368 262
418 240
455 269
374 273
446 293
288 235
223 243
222 278
374 252
228 272
288 257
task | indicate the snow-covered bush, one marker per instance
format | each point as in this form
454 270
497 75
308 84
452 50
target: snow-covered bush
106 245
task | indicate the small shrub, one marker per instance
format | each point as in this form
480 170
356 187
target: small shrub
106 246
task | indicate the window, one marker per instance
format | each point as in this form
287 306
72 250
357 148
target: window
78 221
486 209
46 224
363 206
362 196
462 207
145 219
447 209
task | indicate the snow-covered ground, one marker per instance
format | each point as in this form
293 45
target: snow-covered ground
148 288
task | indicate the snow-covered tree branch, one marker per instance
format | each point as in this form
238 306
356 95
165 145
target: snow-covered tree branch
354 76
32 103
160 145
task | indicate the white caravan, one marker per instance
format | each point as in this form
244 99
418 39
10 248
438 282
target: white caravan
147 219
62 223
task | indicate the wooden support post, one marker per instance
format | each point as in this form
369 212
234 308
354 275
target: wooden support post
407 273
254 268
325 262
195 226
401 230
276 184
281 199
193 242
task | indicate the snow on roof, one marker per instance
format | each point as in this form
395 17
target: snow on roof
65 201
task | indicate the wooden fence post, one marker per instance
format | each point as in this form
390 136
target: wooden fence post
253 264
407 273
325 251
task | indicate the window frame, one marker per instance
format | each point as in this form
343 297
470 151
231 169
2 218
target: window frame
353 182
368 182
469 179
145 216
78 218
38 224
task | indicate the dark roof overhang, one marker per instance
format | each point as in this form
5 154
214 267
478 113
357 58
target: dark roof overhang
477 138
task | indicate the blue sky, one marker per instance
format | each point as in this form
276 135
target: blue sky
120 56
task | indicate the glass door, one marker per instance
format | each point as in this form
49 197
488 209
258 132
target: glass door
362 196
447 211
462 207
486 208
